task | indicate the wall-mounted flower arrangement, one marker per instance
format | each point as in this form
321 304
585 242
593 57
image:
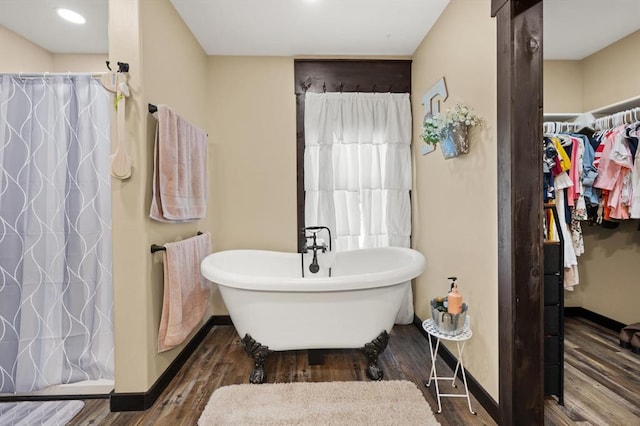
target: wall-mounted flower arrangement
450 130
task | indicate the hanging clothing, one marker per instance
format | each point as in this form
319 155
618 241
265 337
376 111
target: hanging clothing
614 176
571 277
594 177
634 212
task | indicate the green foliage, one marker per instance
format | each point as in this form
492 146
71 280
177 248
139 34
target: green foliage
434 126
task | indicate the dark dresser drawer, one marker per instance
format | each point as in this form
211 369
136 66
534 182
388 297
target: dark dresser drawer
553 298
552 289
551 350
552 380
551 320
552 258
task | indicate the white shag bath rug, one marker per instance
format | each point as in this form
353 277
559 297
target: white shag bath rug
325 403
41 413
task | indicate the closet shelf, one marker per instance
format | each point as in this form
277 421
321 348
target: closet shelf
560 116
627 104
618 106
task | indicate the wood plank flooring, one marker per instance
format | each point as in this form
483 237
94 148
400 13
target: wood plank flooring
602 380
220 361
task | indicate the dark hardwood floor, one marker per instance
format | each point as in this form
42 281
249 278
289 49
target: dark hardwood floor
220 361
602 380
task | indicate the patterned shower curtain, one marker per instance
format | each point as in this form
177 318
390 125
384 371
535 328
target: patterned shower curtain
56 296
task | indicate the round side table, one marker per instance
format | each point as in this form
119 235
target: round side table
460 339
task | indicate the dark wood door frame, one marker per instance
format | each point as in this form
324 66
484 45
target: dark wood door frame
519 116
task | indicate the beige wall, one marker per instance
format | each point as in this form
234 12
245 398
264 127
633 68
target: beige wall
252 111
65 62
253 122
562 86
609 271
131 256
611 74
454 201
175 74
167 61
20 55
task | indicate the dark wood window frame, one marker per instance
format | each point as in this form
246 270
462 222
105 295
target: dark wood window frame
334 75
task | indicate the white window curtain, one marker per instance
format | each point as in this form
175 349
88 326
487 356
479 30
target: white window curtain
357 171
56 296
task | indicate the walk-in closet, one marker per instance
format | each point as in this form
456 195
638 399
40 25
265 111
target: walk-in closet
591 196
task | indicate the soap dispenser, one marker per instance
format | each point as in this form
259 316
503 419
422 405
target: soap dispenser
454 299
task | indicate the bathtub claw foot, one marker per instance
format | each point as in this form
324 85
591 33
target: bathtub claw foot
372 351
259 353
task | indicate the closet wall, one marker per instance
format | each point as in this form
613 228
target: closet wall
611 74
609 267
562 86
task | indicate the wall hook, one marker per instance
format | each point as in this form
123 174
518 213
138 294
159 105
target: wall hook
123 67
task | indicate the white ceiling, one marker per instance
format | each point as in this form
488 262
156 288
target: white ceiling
573 29
303 27
38 22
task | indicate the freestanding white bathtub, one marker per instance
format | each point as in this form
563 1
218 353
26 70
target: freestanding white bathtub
274 308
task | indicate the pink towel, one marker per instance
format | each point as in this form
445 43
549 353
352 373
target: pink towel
186 291
179 170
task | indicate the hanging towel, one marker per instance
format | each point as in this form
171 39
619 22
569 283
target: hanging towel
179 169
186 291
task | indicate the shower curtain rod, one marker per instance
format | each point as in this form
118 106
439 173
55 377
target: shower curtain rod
53 74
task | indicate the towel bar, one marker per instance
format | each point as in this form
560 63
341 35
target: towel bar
152 108
156 247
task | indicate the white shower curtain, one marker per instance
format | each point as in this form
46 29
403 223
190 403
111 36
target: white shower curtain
357 171
55 232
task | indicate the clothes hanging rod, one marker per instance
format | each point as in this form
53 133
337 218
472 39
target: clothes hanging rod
156 247
627 116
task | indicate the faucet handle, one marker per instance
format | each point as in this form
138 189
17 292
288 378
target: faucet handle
321 245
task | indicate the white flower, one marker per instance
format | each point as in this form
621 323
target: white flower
434 126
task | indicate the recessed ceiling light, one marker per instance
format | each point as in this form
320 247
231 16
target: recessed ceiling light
71 16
